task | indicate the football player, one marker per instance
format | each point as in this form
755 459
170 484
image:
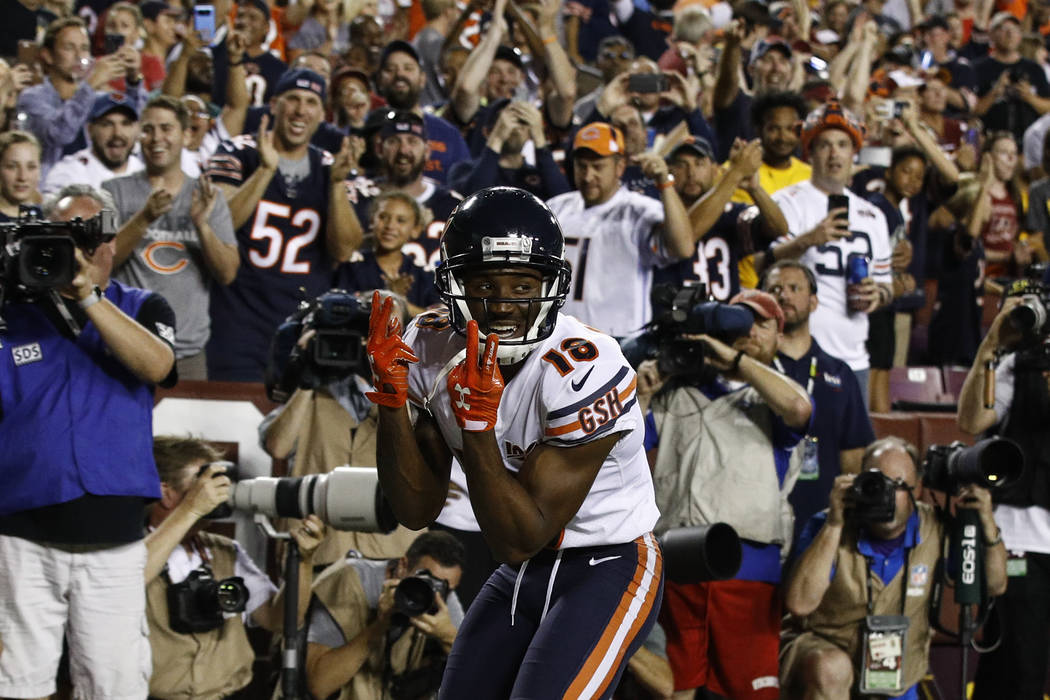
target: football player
540 410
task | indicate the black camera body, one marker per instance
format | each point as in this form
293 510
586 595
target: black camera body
223 510
416 594
339 320
872 497
37 255
681 312
991 463
1031 317
198 603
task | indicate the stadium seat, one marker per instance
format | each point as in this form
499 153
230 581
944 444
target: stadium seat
919 388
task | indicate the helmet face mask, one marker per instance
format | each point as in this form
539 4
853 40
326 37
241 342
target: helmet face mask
497 231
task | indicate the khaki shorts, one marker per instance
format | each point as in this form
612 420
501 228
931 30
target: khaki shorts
96 598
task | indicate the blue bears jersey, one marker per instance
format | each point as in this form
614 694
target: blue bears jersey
284 259
717 255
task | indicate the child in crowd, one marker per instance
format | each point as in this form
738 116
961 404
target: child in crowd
395 219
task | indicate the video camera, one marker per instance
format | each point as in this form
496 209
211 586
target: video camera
991 463
38 256
339 320
680 312
1030 317
201 603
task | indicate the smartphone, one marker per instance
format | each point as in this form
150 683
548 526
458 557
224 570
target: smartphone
204 21
112 43
648 82
898 108
839 201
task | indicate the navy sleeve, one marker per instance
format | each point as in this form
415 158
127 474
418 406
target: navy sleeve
157 316
554 182
473 175
857 430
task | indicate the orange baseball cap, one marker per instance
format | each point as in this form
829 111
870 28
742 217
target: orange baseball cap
604 139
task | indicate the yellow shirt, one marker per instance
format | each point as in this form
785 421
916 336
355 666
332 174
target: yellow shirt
771 179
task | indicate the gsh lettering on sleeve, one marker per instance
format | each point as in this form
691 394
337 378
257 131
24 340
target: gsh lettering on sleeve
602 411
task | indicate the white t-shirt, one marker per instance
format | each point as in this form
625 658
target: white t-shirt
840 332
1024 529
613 248
575 387
84 168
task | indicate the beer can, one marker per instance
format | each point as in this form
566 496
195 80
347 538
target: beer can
856 268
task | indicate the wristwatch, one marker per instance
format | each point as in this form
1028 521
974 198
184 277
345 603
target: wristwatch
91 299
668 181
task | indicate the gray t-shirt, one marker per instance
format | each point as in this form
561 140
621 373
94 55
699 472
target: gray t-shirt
169 259
373 572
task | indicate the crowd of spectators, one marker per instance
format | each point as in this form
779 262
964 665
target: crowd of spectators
868 179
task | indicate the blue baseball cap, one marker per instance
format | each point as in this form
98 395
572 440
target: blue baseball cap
110 101
300 79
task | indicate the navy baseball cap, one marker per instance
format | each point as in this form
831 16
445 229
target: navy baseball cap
300 79
111 101
770 43
403 121
398 46
259 5
697 145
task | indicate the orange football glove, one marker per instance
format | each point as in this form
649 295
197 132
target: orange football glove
388 355
475 392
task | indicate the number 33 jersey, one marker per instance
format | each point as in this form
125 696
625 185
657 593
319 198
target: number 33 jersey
575 387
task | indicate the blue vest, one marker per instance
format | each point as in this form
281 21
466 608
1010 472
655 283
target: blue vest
75 420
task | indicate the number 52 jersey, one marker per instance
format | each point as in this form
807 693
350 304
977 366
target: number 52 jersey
575 387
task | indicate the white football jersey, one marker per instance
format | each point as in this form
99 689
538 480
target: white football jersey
613 248
840 332
575 387
84 168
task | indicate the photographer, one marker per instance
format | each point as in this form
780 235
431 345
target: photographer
369 637
852 567
1018 668
327 422
724 455
75 426
201 649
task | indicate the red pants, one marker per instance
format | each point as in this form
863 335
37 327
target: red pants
725 636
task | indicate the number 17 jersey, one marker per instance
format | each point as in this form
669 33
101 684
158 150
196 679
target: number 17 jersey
284 258
575 387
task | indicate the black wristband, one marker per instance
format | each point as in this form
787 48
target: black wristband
736 361
237 63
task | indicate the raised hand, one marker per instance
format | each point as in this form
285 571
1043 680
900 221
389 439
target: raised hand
268 156
388 354
475 392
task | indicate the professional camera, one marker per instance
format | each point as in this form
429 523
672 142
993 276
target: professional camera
223 510
701 553
872 497
681 312
991 463
339 320
1030 317
37 255
200 603
347 498
415 594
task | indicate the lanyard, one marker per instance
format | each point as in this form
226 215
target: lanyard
904 582
812 371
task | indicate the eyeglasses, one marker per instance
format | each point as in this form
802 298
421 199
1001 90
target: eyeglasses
612 55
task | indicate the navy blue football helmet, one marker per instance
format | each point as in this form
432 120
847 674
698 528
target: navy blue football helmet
500 227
